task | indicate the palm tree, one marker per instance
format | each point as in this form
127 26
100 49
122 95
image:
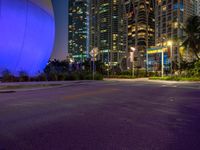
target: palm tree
192 39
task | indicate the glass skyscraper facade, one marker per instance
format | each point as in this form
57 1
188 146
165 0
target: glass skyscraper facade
106 30
78 29
115 26
140 27
198 7
170 16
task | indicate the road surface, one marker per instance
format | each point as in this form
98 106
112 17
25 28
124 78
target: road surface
102 115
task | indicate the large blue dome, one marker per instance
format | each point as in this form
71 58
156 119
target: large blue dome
26 35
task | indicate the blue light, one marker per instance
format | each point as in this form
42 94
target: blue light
26 36
178 6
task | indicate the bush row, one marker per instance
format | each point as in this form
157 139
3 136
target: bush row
176 78
73 76
23 77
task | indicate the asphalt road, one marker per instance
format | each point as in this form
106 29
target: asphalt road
107 115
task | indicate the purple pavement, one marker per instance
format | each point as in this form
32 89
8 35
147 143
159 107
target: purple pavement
103 115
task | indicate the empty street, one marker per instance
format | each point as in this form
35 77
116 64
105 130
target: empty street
102 115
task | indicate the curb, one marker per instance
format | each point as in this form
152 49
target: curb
51 85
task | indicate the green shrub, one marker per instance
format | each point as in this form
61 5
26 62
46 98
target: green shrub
137 72
153 74
75 76
176 78
122 76
67 76
196 69
127 72
88 76
23 76
98 76
52 76
72 76
140 73
61 77
8 77
41 77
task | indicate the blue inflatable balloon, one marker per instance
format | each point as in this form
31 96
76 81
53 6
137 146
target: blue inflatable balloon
27 31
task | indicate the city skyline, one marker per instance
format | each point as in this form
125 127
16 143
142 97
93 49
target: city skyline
115 26
99 74
61 50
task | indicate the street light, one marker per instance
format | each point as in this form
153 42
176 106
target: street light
81 50
170 43
133 49
162 71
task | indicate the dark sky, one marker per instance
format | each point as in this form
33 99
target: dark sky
61 18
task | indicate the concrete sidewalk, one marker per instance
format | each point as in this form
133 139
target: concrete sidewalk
161 83
26 86
149 80
35 83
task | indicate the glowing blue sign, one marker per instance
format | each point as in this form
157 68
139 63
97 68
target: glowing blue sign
26 35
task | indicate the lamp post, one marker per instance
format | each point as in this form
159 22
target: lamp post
162 71
132 58
170 43
81 54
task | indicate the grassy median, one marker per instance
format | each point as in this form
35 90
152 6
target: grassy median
176 78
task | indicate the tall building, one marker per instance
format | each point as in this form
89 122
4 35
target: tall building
78 29
107 30
140 27
198 7
170 15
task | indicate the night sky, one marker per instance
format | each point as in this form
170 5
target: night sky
61 18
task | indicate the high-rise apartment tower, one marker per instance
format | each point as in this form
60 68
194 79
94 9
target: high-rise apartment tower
140 27
170 16
198 7
107 30
78 29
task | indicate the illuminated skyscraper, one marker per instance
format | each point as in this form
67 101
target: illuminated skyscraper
140 27
106 29
170 15
198 7
78 27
